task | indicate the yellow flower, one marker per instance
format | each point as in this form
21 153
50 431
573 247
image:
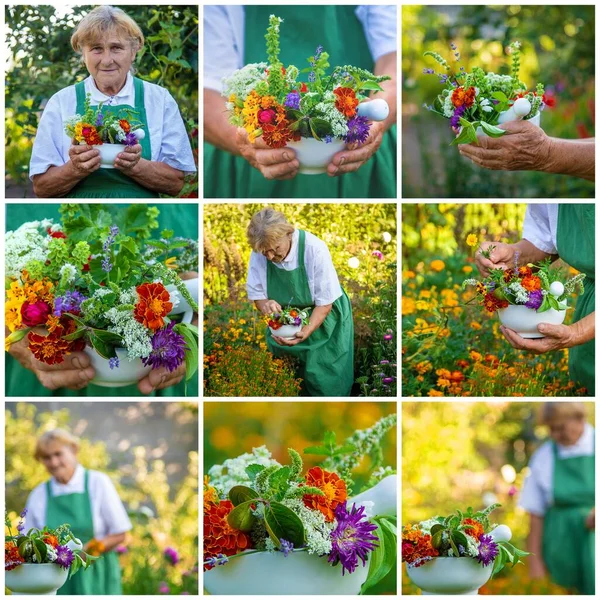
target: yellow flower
475 325
467 269
242 321
437 265
435 393
171 263
472 240
408 306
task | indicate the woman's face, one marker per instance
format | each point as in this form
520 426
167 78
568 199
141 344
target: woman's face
108 62
279 250
566 431
60 460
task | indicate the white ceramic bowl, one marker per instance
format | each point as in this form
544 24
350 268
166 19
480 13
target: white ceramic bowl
108 153
299 573
525 320
287 332
127 373
535 120
450 576
314 156
41 580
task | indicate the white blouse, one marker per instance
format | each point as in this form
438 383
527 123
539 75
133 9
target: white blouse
537 495
108 513
540 226
168 137
322 278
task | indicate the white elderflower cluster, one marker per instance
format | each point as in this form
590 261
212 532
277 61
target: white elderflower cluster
244 80
447 106
134 334
334 117
472 548
129 296
67 273
318 531
233 471
51 555
25 244
521 294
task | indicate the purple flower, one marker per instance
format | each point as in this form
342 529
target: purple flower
388 337
99 119
535 299
312 77
163 588
70 302
292 100
168 349
512 491
113 362
212 561
328 139
120 549
130 139
285 547
352 538
171 555
358 130
488 550
377 254
110 238
64 557
222 559
428 71
443 77
384 362
106 265
453 45
388 380
297 321
459 111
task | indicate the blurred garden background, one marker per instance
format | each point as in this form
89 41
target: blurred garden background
41 62
150 452
558 48
474 454
362 243
234 428
451 347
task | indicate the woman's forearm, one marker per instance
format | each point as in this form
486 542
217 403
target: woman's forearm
528 253
584 330
318 315
572 157
386 65
536 533
157 176
57 181
218 131
112 541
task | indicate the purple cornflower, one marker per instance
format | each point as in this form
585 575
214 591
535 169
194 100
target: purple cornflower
292 100
459 111
328 139
297 321
64 557
352 538
171 555
388 380
168 349
70 302
130 139
535 299
428 71
99 119
488 550
358 130
113 363
106 264
285 547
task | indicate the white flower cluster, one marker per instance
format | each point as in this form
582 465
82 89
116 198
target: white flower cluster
425 526
68 273
51 555
25 244
233 471
447 106
334 117
485 105
134 334
318 531
244 80
521 294
129 296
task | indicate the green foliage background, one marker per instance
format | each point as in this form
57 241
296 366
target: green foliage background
558 50
42 62
142 484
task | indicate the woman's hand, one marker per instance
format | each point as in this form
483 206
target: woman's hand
273 163
354 157
302 335
84 159
590 520
268 307
159 379
129 158
502 257
557 337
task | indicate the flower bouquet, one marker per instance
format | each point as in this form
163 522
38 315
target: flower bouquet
270 529
316 118
457 554
109 290
526 296
476 103
288 322
105 130
38 562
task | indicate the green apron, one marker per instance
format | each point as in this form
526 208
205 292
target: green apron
112 183
326 358
104 576
575 245
182 218
341 34
568 546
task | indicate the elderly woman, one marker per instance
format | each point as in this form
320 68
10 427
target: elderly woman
86 500
565 231
559 495
292 267
108 41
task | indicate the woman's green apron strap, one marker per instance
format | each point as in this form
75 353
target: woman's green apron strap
576 246
112 183
568 545
326 357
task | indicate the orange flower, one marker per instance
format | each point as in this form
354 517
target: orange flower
293 313
331 485
416 547
125 126
462 97
437 265
456 377
12 558
51 540
346 101
154 304
49 349
525 271
477 528
219 536
276 136
462 363
493 360
531 283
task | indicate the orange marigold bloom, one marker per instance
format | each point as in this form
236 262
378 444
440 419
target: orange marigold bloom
492 359
531 283
416 547
477 528
276 136
491 303
331 485
219 536
456 377
346 101
462 97
51 540
125 126
154 304
462 363
525 271
12 558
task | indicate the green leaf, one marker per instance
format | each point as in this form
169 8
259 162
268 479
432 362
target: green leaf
76 565
183 63
435 529
492 130
239 494
320 450
501 96
283 523
253 470
383 558
191 354
241 516
459 538
468 134
104 349
370 85
436 540
42 549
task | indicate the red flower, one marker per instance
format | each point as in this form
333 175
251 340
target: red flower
56 234
154 304
51 349
462 97
549 101
331 485
491 303
303 87
346 101
276 136
267 116
35 314
12 558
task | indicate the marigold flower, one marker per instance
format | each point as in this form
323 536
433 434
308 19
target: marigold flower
434 393
491 303
531 283
525 271
476 531
346 101
154 304
12 558
462 363
462 97
51 540
125 126
437 265
476 356
331 485
277 136
416 547
472 240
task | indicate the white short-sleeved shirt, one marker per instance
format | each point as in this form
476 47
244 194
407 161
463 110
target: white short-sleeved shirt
108 513
224 38
323 281
168 137
540 226
537 495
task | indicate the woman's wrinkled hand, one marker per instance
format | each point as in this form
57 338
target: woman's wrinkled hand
129 158
298 338
159 379
354 156
501 257
557 337
273 163
269 307
85 159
